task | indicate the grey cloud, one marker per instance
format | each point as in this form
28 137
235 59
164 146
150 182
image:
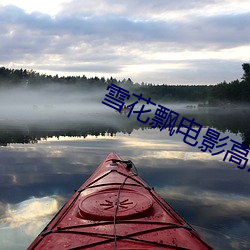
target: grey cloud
98 40
85 68
135 8
209 71
229 31
219 31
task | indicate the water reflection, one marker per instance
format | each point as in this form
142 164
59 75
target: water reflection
31 210
210 194
21 221
100 124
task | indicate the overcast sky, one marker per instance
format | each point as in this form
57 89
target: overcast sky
157 41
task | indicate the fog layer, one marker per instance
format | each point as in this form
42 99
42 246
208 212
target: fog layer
54 102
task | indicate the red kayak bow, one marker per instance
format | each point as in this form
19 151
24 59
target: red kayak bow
116 209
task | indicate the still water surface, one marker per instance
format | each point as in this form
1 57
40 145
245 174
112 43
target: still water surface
41 165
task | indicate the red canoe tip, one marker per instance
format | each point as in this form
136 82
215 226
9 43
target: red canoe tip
115 207
112 155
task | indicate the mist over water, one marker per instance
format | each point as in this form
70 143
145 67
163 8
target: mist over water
196 184
59 105
58 102
51 103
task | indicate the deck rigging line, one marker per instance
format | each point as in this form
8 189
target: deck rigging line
115 237
129 164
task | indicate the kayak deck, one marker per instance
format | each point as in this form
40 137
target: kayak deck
116 209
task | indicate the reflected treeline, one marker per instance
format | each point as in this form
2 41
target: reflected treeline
234 121
25 133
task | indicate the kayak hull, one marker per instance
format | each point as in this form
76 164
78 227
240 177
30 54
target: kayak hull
116 209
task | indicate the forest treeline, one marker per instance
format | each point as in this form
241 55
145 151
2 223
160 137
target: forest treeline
236 91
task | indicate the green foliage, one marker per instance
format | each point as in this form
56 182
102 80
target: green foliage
234 92
246 75
222 93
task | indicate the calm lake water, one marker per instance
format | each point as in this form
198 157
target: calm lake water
44 161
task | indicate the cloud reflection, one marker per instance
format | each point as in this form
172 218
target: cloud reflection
208 193
28 212
22 222
228 203
213 209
